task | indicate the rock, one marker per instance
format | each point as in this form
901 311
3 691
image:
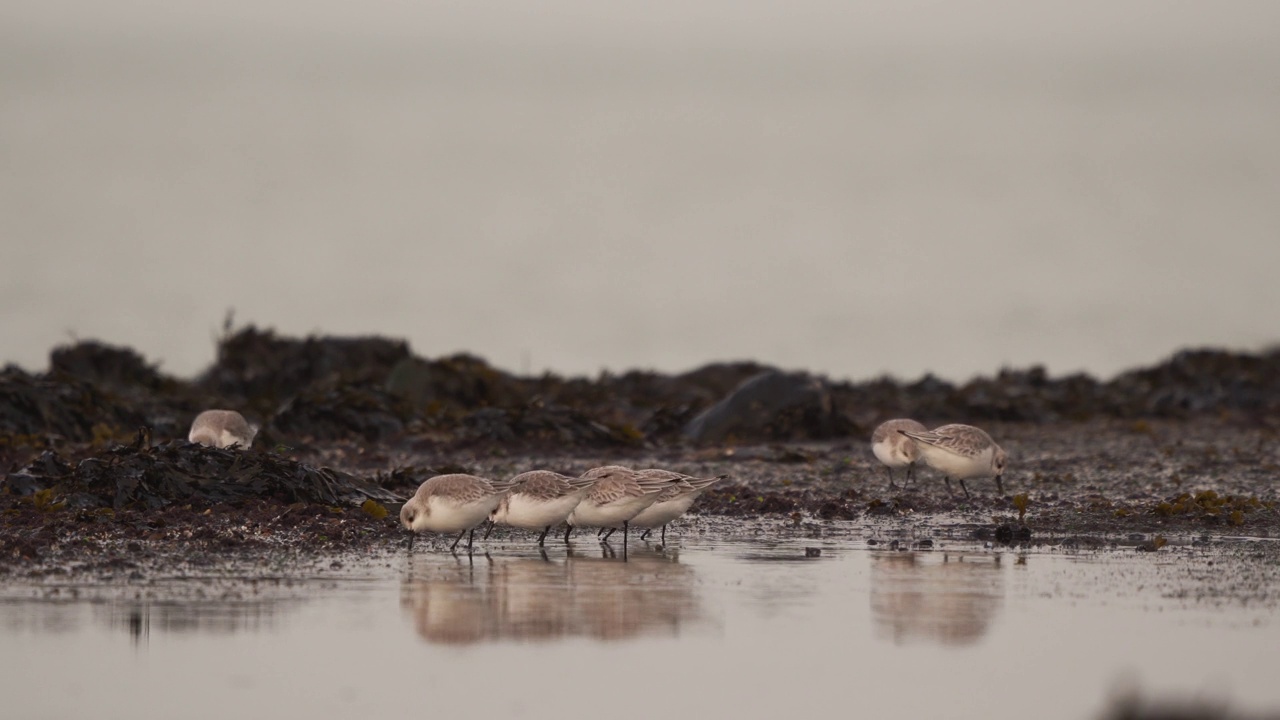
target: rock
758 403
21 484
1008 533
836 510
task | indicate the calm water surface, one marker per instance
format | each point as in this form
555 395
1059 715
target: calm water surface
736 629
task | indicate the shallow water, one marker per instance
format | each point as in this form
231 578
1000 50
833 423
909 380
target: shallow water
713 628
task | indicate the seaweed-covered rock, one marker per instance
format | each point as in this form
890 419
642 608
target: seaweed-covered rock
128 382
537 423
257 364
58 405
1199 381
372 388
106 366
1190 383
460 381
640 403
1028 396
330 413
181 472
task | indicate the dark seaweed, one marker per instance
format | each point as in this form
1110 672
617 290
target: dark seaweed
141 475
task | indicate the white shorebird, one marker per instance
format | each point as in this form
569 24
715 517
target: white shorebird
672 502
894 449
617 495
452 503
961 452
222 428
538 500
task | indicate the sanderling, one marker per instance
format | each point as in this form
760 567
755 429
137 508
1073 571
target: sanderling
617 495
452 503
894 449
672 502
961 451
539 499
222 428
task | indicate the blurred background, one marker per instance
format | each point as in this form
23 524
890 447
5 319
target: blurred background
851 188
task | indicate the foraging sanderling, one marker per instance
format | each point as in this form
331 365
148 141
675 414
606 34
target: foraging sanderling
672 502
538 500
452 503
961 452
221 429
894 449
617 495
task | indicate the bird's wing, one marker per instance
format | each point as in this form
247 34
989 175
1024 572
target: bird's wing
964 444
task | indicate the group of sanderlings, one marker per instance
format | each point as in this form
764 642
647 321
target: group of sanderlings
608 498
613 496
962 452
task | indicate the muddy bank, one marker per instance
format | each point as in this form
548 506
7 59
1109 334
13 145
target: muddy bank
94 457
1073 484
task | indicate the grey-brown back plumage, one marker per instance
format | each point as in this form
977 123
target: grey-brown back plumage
963 440
543 484
613 483
681 484
461 489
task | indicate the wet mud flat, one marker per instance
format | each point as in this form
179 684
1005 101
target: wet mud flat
99 480
1082 485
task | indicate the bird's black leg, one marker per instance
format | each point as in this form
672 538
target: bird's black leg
999 486
889 471
605 539
568 530
411 536
664 536
645 534
965 489
949 490
470 537
543 536
454 546
489 530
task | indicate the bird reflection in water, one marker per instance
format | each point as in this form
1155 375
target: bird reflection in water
536 599
939 598
173 617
